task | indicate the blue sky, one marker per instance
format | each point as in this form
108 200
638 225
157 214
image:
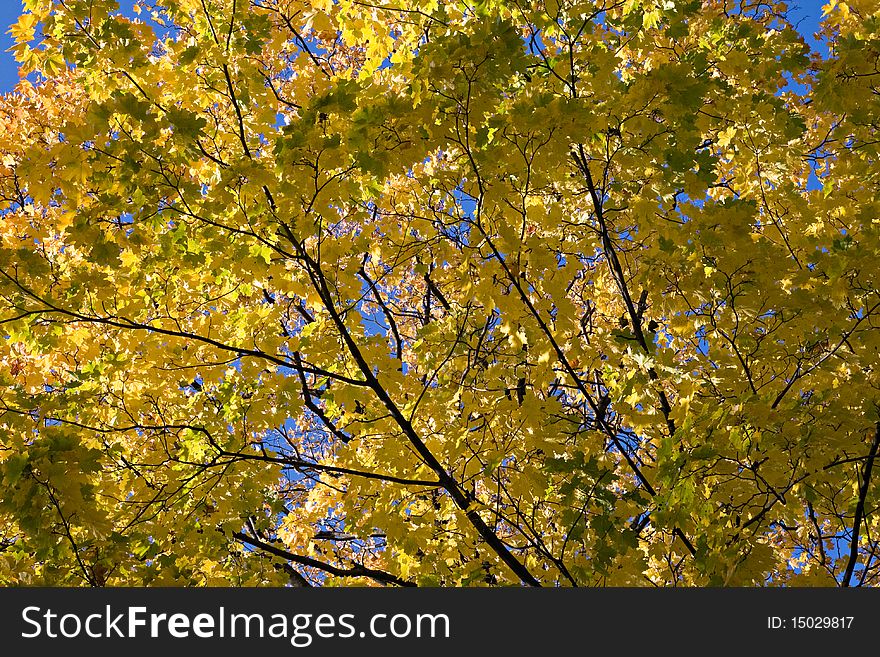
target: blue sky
805 14
9 11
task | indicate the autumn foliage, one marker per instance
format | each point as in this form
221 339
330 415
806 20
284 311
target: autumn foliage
408 292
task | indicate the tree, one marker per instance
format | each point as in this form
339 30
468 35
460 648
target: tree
420 293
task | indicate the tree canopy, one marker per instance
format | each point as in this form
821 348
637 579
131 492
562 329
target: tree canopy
408 292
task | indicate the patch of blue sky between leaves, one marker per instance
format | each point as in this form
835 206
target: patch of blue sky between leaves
10 10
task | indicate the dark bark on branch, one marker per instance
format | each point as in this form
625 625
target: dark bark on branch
447 481
356 570
860 509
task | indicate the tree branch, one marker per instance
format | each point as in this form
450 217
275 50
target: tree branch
860 509
357 570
